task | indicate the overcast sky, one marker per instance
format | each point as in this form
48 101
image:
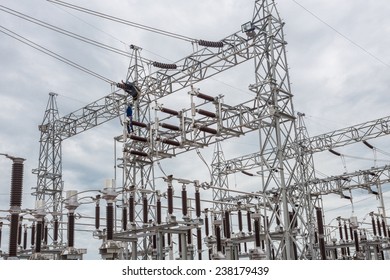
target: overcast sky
337 53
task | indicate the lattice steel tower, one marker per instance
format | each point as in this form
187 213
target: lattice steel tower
49 172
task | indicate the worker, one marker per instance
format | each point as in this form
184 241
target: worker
130 88
129 115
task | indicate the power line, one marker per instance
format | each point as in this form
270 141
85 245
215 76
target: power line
342 35
122 21
46 51
64 32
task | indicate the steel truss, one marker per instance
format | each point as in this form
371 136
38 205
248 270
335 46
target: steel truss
283 210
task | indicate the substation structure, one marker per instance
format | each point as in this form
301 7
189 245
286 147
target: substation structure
184 218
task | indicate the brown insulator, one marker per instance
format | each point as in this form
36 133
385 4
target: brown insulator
199 242
38 237
46 235
20 231
205 97
346 231
373 225
154 241
227 224
139 124
320 226
110 221
224 224
70 229
340 230
163 240
208 130
247 173
43 230
334 152
138 153
171 66
184 201
145 209
138 138
131 208
384 227
218 237
56 228
257 233
16 183
189 237
210 44
170 142
170 199
25 239
169 239
368 144
33 228
206 224
249 221
97 216
169 111
180 245
170 127
124 218
197 203
239 215
13 236
355 235
158 210
351 232
1 231
206 113
379 226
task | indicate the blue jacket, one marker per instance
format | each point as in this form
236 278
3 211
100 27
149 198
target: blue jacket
129 111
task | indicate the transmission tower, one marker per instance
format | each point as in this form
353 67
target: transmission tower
49 172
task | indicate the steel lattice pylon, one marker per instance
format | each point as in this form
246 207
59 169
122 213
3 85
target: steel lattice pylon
49 172
288 192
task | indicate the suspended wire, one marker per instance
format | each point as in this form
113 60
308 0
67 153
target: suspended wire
46 51
122 21
91 25
363 158
65 32
113 37
159 166
205 162
361 200
342 35
134 25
